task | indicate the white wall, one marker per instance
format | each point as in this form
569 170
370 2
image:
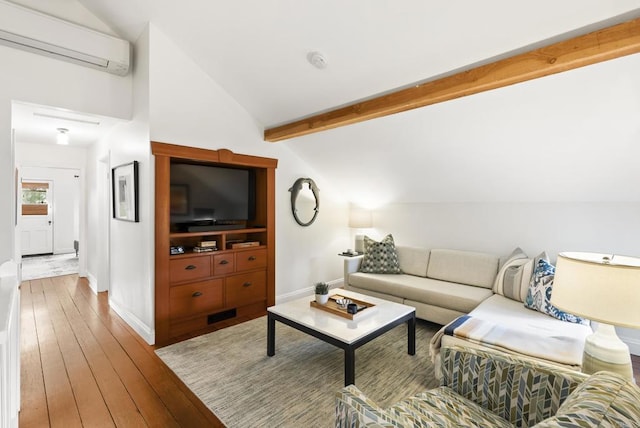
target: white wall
131 289
69 10
175 102
98 214
498 228
37 79
188 108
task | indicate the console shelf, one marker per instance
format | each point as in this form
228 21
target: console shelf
209 253
215 232
198 292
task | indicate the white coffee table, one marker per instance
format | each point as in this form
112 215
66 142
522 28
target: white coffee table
346 334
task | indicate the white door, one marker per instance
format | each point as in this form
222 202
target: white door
36 224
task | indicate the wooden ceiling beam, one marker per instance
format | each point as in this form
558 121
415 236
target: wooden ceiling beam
602 45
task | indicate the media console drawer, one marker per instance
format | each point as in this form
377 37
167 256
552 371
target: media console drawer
246 288
251 259
223 264
194 298
189 269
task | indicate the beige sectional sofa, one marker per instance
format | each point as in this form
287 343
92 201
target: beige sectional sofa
440 284
448 287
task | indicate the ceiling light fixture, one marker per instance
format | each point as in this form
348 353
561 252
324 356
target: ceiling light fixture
317 60
62 137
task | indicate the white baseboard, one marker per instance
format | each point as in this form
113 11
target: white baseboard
308 291
135 323
93 283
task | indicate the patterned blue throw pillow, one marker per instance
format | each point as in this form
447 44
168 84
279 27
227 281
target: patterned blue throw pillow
380 257
539 294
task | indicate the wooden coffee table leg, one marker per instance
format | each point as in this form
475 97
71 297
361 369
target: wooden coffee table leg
349 366
271 336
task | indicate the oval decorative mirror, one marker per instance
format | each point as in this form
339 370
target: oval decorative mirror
305 201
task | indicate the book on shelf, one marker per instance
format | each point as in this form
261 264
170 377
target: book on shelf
203 249
242 244
208 244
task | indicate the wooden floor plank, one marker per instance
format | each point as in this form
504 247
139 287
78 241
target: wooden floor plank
145 398
169 389
91 405
122 407
32 393
61 403
77 353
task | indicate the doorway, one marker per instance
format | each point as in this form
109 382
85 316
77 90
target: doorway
36 213
49 221
85 157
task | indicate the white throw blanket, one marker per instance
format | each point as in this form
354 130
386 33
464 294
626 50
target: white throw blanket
527 339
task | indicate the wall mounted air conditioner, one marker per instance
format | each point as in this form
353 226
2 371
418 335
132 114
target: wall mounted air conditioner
36 32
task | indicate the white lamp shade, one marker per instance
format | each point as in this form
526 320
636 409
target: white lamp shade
600 287
359 218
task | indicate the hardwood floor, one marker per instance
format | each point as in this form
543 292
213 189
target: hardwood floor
83 366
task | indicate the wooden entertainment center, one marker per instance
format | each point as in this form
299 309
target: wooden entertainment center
198 292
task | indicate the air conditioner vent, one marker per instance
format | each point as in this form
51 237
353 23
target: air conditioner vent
36 32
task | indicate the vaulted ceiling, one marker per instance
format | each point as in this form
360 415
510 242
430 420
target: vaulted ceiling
257 49
565 137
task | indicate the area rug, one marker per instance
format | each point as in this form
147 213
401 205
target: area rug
230 372
35 267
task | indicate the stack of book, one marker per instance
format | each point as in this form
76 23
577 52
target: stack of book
202 249
242 244
204 246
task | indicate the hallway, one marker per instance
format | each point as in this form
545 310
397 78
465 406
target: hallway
48 265
81 365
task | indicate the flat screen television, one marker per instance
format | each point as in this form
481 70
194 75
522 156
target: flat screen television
210 197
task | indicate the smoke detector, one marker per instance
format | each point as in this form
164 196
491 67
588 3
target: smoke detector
317 60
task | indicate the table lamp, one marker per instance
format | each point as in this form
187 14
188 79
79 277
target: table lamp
359 218
603 288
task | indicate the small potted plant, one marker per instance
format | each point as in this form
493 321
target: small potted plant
322 293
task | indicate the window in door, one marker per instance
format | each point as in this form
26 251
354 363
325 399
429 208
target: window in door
34 198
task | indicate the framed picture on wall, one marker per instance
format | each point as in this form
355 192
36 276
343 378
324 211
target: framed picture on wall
124 180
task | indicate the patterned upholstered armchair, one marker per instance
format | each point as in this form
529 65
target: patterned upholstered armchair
491 389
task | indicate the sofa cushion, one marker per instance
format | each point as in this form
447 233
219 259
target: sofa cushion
513 278
442 407
515 255
464 267
444 294
539 295
604 399
516 280
380 257
413 261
